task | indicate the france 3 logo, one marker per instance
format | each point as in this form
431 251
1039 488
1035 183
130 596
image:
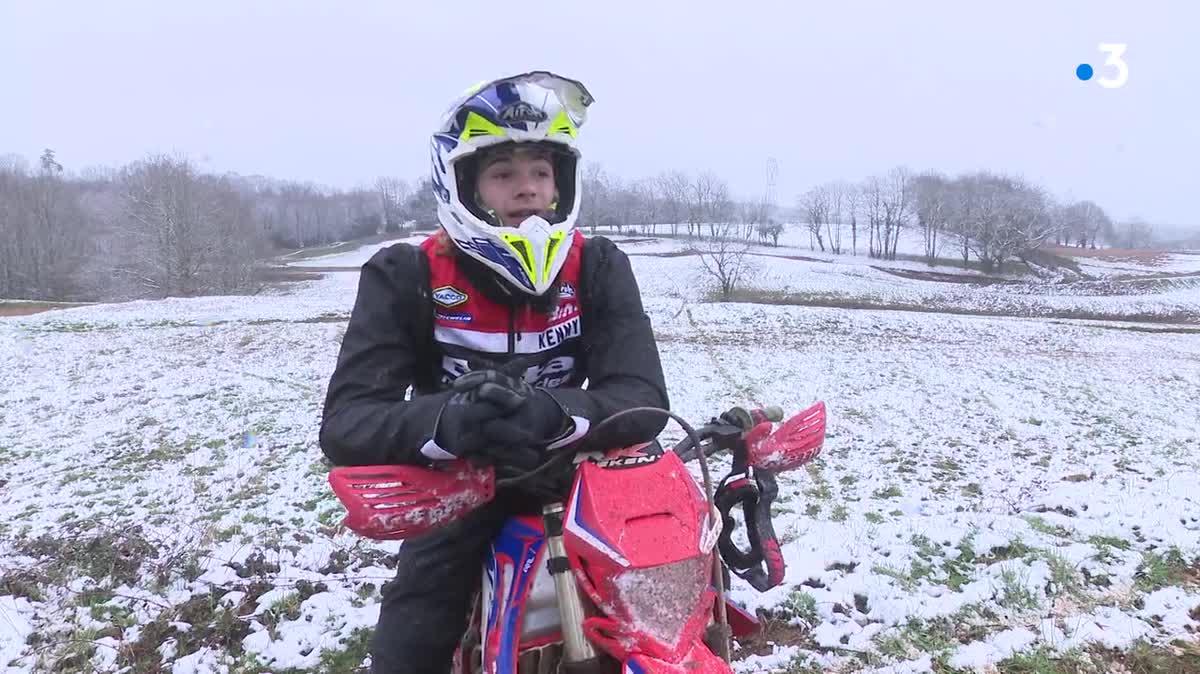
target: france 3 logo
1115 60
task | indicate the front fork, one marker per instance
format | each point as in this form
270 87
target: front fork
579 655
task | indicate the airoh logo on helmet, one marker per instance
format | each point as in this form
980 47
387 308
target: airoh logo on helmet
521 111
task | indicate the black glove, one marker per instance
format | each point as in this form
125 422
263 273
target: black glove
497 418
532 417
537 422
458 429
458 432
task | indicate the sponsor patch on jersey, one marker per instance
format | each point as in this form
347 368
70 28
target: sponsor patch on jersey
557 334
564 311
449 296
454 317
566 290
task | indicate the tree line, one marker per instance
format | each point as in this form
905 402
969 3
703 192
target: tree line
986 216
992 216
162 227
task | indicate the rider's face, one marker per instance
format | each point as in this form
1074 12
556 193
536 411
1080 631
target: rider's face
516 184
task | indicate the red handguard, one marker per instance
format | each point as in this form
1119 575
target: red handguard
796 442
397 502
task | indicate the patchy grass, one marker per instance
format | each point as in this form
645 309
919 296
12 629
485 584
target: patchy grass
939 637
1041 526
117 554
1046 661
210 624
350 656
1159 570
1065 578
800 607
892 491
1014 589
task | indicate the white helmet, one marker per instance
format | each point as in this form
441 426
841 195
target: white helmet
536 107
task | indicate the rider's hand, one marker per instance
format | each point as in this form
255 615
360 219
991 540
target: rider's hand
538 421
457 432
499 418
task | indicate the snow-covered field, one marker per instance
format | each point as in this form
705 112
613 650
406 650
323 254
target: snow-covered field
790 275
994 490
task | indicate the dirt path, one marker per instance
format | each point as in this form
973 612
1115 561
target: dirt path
11 309
973 279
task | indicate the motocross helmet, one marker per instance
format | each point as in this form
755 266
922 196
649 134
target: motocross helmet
536 107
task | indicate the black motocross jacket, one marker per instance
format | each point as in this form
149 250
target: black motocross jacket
407 331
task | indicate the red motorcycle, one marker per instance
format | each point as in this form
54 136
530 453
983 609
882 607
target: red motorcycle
621 577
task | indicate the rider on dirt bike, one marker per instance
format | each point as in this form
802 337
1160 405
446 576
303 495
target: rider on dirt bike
495 322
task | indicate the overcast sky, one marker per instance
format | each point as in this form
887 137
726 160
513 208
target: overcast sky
339 93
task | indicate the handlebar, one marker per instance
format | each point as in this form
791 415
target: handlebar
718 434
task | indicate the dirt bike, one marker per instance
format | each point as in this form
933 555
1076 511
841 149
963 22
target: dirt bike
621 577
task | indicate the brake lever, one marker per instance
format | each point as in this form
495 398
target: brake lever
717 437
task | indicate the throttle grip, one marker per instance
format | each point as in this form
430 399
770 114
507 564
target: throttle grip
747 419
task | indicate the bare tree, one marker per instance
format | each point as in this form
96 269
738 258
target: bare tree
841 206
624 204
42 231
673 189
1133 234
770 229
14 219
421 206
725 259
708 202
855 203
184 233
964 204
872 202
814 209
13 164
647 203
897 208
57 240
1009 216
932 205
598 208
753 214
393 192
1086 221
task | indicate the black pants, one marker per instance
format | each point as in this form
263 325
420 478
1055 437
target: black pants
425 609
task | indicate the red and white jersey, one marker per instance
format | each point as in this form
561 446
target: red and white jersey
468 325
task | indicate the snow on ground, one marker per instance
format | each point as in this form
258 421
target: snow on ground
990 486
1158 263
794 244
796 235
796 241
816 282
